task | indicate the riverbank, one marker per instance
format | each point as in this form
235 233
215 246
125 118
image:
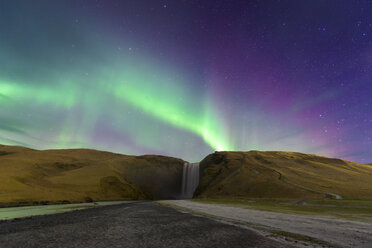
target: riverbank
10 213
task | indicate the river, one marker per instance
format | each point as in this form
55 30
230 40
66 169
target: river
22 212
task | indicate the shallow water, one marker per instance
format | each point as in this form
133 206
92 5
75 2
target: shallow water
21 212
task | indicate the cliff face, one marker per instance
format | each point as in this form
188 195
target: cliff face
282 175
52 176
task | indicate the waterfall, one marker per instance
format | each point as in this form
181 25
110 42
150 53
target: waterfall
190 180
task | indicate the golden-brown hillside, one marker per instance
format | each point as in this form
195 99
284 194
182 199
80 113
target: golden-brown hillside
282 175
32 177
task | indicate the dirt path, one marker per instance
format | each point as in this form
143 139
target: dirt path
281 177
342 233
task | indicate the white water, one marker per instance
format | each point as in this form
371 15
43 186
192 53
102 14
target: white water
190 180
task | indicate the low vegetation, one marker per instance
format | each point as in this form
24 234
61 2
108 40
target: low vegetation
31 177
283 181
347 209
282 175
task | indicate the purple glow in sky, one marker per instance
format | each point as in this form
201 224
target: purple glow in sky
185 78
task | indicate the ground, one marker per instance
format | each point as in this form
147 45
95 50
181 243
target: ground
137 224
321 230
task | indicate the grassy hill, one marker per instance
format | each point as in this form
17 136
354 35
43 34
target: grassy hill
53 176
30 176
282 175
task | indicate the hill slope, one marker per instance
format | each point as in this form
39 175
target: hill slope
33 177
284 175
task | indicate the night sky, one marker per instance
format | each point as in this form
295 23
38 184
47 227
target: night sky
186 78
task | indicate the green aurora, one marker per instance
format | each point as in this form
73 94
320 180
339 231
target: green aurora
156 93
136 78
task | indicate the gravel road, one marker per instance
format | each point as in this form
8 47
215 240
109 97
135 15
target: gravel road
138 224
342 233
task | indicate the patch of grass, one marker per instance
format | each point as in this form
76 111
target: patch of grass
30 177
346 209
285 175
